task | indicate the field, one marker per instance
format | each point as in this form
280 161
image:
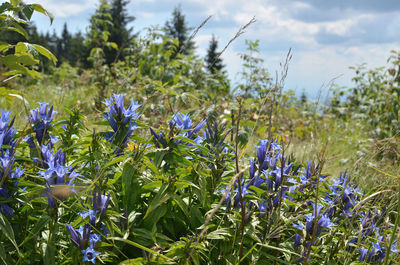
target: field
156 158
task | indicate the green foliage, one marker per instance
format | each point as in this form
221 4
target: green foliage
258 82
187 191
119 33
19 58
213 60
177 29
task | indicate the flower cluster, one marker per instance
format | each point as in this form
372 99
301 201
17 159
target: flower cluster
41 119
212 135
266 172
56 173
121 120
53 164
314 220
85 237
184 126
7 158
342 196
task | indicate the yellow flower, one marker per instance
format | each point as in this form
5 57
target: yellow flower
132 146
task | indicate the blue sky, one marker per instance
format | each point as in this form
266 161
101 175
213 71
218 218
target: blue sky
326 37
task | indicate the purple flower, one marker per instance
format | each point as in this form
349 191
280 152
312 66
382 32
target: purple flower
121 120
363 253
40 119
89 254
297 241
185 125
100 202
80 237
91 214
7 158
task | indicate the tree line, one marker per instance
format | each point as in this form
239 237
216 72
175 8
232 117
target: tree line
109 29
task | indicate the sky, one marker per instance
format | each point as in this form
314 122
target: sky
326 37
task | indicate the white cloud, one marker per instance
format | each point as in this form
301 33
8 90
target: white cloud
324 44
64 9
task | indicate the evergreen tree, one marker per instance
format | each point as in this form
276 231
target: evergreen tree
119 33
63 45
213 62
176 28
77 50
99 31
303 98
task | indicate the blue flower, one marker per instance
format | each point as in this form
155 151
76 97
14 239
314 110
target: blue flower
363 253
91 214
7 132
297 241
93 239
100 202
7 158
80 237
185 125
89 254
40 119
121 120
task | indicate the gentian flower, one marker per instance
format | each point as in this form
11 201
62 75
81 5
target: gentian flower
90 254
100 202
55 173
121 120
40 119
363 253
184 124
7 158
297 241
80 237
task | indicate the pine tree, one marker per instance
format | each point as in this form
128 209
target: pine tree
77 50
63 46
213 62
99 32
303 98
119 33
176 28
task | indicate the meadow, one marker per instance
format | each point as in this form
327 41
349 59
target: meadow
157 159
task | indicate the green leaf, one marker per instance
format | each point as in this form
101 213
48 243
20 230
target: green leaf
45 52
15 3
141 247
181 204
161 197
38 228
5 47
40 9
4 6
130 186
222 233
113 45
115 161
17 28
137 261
5 226
49 254
28 11
4 258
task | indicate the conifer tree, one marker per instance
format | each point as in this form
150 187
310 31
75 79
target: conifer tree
176 28
99 32
119 33
213 62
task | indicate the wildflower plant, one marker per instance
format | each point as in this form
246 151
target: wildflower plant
8 170
86 238
122 120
